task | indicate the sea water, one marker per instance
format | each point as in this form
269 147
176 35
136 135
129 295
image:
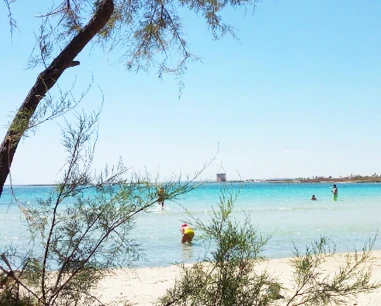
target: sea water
283 211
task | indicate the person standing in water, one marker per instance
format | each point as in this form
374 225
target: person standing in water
187 233
313 198
335 192
160 197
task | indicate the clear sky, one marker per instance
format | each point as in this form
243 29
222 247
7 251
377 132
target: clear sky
297 96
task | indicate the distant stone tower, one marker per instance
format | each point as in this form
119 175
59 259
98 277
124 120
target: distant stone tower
221 177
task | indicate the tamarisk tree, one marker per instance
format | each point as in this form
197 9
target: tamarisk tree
230 273
150 32
82 230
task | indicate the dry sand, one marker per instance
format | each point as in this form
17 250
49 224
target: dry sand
144 286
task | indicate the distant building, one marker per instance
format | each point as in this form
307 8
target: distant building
221 177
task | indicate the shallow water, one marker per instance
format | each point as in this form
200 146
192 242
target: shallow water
284 211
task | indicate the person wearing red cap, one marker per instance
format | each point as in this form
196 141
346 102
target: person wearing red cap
187 233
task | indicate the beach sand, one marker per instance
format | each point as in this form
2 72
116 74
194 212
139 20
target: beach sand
143 286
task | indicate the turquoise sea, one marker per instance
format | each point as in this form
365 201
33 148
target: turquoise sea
283 210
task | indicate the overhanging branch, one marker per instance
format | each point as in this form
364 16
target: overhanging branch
45 81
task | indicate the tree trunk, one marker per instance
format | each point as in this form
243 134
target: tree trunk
45 81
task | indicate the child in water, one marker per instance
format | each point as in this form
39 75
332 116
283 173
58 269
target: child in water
187 233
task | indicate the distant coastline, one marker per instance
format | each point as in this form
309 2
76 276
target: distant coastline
348 179
356 179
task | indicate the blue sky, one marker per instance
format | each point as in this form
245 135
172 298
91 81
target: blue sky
297 95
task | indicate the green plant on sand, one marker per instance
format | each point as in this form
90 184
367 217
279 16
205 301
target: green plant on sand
230 274
81 232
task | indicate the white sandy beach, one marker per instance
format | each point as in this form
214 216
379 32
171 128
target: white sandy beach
144 286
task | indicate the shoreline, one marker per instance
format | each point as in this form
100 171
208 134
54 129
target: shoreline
143 286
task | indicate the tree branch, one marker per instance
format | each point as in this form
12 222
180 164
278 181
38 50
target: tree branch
45 81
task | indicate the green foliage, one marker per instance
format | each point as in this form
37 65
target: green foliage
81 232
227 276
312 286
8 298
231 276
145 33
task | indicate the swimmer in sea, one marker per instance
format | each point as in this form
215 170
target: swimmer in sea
335 192
187 233
313 198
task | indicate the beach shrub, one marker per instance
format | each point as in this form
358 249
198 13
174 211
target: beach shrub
81 232
229 275
313 286
9 298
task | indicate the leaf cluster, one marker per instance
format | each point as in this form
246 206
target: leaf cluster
227 276
314 286
230 274
82 231
145 32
